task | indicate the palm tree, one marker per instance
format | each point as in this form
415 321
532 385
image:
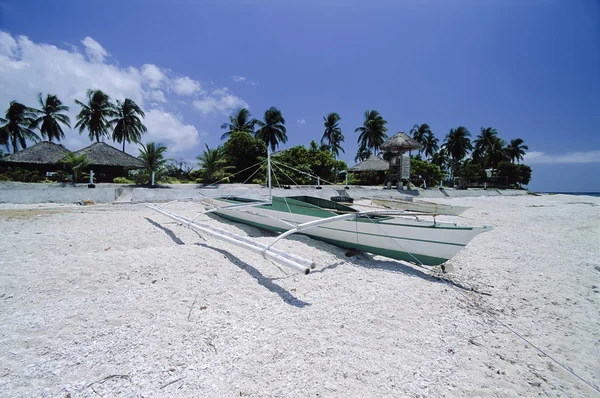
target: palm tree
441 159
420 133
272 130
17 130
362 154
429 144
128 125
516 150
240 121
484 145
75 163
372 132
50 117
458 143
94 115
152 156
213 164
332 136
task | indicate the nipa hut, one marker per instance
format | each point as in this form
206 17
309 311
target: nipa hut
399 168
44 157
108 162
371 171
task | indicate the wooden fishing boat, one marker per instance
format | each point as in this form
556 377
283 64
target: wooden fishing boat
389 233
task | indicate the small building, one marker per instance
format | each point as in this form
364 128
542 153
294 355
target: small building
399 168
44 157
371 171
108 162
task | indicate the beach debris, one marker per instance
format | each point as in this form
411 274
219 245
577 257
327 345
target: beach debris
191 307
171 382
86 202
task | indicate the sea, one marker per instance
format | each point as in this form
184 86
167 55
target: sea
597 194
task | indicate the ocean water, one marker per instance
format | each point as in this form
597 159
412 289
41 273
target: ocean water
597 194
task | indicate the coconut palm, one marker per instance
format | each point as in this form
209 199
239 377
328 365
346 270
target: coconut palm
152 156
51 116
441 159
240 121
372 132
516 150
362 154
272 130
127 125
420 133
213 164
332 136
95 115
75 164
430 144
458 143
485 144
17 128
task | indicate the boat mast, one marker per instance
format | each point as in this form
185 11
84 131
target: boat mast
269 172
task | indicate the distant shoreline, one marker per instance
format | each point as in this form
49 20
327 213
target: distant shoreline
597 194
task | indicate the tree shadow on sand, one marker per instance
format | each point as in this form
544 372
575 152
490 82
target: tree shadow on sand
166 230
286 296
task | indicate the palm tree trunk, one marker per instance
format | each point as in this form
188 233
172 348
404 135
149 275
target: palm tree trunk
123 145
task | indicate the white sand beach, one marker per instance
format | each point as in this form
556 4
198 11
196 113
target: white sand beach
118 300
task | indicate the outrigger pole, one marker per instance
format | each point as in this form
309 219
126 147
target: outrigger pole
287 259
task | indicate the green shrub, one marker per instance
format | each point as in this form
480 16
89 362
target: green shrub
122 180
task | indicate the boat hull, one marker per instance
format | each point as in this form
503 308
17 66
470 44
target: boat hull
400 238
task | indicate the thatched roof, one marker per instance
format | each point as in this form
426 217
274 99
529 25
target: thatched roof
371 164
400 142
41 153
101 154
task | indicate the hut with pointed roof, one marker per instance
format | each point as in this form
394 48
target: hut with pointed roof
399 168
108 162
44 157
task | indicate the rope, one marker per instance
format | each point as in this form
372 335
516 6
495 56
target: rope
302 172
234 174
492 315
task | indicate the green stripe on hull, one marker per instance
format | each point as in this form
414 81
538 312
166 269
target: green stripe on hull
397 255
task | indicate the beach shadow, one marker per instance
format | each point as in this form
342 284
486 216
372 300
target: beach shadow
362 259
167 231
286 296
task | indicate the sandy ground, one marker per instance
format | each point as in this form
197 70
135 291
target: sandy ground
117 300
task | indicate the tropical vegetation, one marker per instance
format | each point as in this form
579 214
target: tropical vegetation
486 158
50 117
17 128
128 126
372 133
272 128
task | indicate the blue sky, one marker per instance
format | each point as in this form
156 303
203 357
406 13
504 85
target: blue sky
529 68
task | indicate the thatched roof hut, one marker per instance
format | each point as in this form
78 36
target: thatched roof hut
373 163
400 142
42 153
102 154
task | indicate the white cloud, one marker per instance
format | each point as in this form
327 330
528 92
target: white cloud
95 52
28 68
219 100
8 45
156 96
300 121
566 158
165 128
238 78
153 75
185 86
